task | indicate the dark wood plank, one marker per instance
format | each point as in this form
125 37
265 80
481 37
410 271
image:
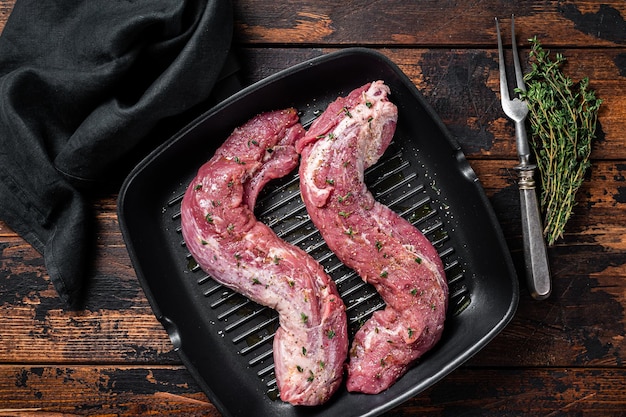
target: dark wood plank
6 6
116 325
427 23
512 392
144 391
101 391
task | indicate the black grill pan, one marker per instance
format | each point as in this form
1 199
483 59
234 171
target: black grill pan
224 339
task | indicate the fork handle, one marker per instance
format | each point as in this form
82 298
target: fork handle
523 148
535 252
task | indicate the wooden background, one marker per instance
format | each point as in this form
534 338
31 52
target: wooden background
559 357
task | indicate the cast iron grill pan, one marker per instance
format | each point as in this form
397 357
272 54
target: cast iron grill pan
224 339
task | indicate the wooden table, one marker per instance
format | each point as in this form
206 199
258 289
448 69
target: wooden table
561 356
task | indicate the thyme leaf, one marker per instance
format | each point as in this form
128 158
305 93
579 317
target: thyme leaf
562 116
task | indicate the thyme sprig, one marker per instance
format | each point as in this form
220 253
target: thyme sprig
563 117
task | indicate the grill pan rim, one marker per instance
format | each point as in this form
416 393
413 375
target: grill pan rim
129 201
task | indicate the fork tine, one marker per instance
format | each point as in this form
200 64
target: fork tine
518 68
504 89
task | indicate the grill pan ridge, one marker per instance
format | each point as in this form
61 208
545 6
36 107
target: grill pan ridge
224 339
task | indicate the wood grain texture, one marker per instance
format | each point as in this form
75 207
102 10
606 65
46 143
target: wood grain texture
5 10
101 391
147 391
430 23
559 357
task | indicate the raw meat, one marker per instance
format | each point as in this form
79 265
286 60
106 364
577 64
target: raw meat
383 248
227 241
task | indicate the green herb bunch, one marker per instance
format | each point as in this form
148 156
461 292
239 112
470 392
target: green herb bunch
562 117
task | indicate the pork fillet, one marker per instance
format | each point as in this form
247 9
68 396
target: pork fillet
227 241
383 248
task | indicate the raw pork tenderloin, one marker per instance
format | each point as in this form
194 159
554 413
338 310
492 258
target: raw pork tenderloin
383 248
229 243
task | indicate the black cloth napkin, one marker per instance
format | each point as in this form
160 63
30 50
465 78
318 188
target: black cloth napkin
82 85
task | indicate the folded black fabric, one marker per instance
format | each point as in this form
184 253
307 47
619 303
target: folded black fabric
82 84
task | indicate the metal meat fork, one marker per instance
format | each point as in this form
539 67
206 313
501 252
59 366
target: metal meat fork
535 254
